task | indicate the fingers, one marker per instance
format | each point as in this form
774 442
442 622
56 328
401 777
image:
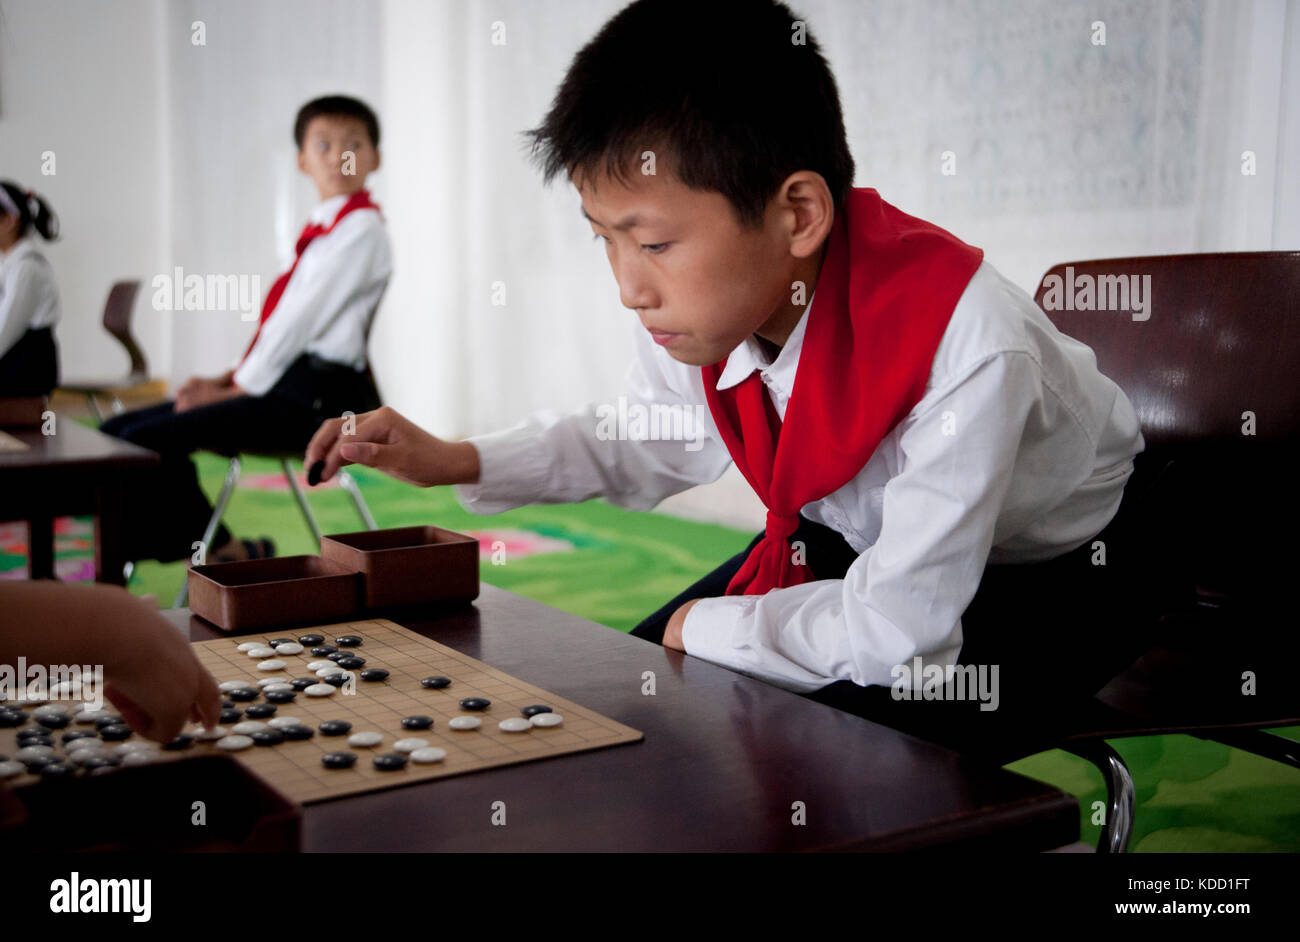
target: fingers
368 428
208 700
322 441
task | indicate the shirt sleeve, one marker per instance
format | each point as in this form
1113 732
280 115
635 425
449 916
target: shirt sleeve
20 295
332 272
905 594
605 450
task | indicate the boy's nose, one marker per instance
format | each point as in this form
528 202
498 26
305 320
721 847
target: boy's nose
633 291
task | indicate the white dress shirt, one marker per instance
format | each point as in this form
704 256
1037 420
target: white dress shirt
327 306
1017 452
29 299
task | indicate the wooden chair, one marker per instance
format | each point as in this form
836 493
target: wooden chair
1216 358
117 321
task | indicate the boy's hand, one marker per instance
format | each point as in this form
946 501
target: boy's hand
201 391
389 442
673 633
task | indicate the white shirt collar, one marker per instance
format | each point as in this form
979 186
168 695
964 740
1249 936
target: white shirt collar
749 356
327 210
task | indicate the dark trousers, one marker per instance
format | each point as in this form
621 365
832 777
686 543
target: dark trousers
167 509
1057 630
31 366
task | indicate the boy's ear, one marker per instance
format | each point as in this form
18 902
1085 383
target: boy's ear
302 160
379 158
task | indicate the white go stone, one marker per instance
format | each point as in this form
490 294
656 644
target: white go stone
248 726
87 756
234 743
274 664
249 645
145 756
33 752
52 709
80 745
514 724
86 717
464 722
276 685
260 653
283 722
126 748
288 647
428 754
10 769
410 745
320 690
317 665
547 719
229 685
366 739
209 735
332 669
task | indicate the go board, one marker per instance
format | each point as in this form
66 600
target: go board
295 768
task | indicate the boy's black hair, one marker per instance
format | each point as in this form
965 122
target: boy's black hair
335 106
726 87
33 211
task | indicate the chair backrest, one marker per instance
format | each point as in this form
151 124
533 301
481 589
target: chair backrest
117 321
1218 335
1207 348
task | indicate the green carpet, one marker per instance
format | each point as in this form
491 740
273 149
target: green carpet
615 566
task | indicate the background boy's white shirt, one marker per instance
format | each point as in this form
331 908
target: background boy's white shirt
1018 451
29 298
327 305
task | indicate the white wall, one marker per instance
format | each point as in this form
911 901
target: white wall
83 80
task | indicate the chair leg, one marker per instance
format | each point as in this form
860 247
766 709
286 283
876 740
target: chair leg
94 407
1121 796
232 478
349 484
302 500
1259 742
117 404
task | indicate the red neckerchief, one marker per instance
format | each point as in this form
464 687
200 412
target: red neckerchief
885 294
359 200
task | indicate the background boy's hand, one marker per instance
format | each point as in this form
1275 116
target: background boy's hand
201 391
388 441
673 633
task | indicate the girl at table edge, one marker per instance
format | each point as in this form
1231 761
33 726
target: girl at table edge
29 299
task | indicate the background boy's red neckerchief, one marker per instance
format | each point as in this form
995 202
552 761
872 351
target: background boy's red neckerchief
359 200
885 294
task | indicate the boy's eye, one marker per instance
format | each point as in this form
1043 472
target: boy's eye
656 248
322 146
596 235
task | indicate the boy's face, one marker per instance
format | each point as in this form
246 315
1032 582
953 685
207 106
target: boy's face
337 154
698 280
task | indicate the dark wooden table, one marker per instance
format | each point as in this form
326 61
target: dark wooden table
77 470
723 761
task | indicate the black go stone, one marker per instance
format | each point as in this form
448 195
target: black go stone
436 683
58 770
36 734
115 733
267 737
475 703
36 763
231 716
337 656
271 644
74 734
11 718
279 696
302 683
531 711
351 662
244 694
227 704
260 711
108 721
389 762
374 673
335 727
417 722
335 680
100 762
53 721
311 641
183 741
298 732
348 641
321 650
339 760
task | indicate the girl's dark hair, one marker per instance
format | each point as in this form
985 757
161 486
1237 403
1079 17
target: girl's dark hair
33 211
735 92
336 106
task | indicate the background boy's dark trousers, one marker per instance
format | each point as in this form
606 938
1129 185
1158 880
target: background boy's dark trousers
1058 630
168 509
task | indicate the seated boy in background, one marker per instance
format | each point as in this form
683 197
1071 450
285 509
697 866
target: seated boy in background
936 458
307 359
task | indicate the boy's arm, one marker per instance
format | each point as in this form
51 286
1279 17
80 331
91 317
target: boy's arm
333 271
905 594
566 458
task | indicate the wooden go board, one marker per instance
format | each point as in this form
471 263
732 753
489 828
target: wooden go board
294 768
